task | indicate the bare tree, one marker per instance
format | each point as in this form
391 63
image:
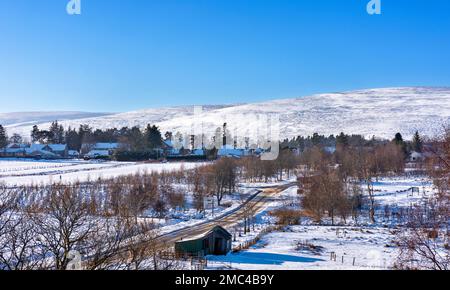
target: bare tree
424 244
63 225
19 247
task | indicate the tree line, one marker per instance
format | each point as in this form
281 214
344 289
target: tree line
330 182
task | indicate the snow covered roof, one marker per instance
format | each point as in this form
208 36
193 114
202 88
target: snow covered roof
58 147
35 152
330 149
37 147
17 145
198 152
169 143
13 150
53 147
206 233
106 146
230 151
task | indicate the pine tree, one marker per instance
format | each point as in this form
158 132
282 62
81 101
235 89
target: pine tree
56 133
153 137
417 143
398 139
342 139
72 139
35 134
3 137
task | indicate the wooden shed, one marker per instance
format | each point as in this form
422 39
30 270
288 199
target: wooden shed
217 241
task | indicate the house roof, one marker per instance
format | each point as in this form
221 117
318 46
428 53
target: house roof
53 147
31 151
168 143
205 234
13 150
198 152
17 145
58 147
230 151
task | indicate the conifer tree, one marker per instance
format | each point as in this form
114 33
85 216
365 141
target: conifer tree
3 137
417 144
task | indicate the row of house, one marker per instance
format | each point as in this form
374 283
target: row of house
44 151
107 150
56 151
224 151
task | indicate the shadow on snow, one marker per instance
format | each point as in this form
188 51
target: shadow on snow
263 258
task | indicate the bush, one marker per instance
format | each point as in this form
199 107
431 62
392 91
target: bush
287 216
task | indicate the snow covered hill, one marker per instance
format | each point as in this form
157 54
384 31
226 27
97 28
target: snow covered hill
380 112
17 119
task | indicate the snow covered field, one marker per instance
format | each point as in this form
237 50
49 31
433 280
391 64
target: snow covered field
312 246
26 172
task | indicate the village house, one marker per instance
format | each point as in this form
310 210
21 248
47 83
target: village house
416 157
100 150
47 151
14 150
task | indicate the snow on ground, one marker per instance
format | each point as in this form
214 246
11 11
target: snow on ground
310 245
397 191
286 250
26 172
190 217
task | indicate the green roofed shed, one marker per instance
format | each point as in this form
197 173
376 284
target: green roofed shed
216 241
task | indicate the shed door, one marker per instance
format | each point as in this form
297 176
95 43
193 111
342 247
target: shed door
218 246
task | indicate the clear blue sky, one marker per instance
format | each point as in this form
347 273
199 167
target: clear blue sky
121 55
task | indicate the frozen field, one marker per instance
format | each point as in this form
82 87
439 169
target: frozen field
26 172
371 248
398 191
310 246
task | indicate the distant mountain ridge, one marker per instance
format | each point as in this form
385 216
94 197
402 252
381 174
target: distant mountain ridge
380 112
26 118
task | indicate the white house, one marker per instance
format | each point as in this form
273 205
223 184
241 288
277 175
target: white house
416 156
14 150
73 154
98 150
50 151
53 150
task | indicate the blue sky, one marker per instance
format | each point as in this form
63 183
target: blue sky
124 55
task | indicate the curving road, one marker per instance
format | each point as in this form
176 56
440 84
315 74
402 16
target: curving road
254 205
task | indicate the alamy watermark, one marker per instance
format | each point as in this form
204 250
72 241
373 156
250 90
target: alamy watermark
74 7
234 133
374 7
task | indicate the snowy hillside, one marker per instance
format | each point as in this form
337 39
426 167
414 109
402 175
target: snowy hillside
32 118
380 112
